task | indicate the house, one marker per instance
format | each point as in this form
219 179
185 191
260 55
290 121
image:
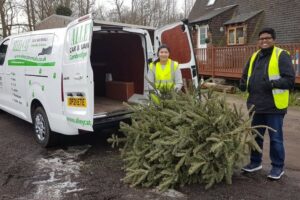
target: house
54 21
238 22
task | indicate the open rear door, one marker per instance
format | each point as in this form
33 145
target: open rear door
78 85
178 39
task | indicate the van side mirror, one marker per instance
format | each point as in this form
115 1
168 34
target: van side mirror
183 27
185 21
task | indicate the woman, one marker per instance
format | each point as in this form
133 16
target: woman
164 73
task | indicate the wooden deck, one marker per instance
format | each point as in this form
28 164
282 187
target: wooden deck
228 62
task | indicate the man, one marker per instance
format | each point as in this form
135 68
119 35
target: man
268 76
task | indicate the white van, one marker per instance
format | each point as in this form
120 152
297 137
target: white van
74 79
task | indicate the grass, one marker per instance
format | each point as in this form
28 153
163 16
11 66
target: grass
294 99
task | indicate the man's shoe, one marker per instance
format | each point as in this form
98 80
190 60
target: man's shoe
276 173
252 167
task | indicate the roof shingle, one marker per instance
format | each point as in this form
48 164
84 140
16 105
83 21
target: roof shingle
242 17
213 13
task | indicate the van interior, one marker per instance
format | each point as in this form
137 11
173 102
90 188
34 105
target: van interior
118 62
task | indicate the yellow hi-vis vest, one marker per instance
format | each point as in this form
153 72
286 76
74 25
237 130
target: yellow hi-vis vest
164 78
281 97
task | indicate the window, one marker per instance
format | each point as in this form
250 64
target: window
236 35
231 36
211 2
202 35
3 49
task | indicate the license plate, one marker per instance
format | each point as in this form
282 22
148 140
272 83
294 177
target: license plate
77 102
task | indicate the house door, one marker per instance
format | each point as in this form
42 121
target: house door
202 35
202 45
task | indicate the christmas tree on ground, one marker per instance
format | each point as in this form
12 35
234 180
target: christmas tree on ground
179 138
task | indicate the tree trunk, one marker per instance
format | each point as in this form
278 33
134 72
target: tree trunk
28 15
32 14
3 21
119 7
87 7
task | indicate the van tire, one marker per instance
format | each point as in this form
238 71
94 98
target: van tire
42 133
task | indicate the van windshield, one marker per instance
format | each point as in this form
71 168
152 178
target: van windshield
3 49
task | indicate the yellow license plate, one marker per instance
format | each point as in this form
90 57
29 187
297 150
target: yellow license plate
77 102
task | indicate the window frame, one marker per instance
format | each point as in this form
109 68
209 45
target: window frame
199 27
234 28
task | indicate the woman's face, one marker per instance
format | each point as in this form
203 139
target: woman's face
163 54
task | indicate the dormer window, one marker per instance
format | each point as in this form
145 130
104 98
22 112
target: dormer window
211 2
236 35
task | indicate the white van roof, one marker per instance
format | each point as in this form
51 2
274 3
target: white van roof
44 31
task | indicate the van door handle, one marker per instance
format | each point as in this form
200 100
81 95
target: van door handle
78 77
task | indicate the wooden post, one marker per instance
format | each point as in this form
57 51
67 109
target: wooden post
213 61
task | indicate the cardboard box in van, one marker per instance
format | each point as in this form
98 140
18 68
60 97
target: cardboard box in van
56 78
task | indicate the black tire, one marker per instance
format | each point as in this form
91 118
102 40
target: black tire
42 133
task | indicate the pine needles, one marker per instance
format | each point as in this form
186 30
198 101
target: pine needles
180 139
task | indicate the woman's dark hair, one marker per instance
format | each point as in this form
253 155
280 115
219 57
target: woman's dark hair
163 46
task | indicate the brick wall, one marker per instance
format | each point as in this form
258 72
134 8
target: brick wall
218 37
254 26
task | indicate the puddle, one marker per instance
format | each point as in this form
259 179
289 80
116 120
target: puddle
55 174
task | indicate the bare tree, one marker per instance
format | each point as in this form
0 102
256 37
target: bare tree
32 13
100 12
8 14
145 12
188 5
82 7
119 7
2 15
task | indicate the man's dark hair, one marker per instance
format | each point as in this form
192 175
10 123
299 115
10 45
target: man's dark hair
269 31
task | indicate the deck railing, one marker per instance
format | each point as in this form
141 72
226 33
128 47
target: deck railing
228 62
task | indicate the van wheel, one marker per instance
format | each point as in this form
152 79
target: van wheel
43 135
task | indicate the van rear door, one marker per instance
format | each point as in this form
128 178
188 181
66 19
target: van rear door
177 37
77 77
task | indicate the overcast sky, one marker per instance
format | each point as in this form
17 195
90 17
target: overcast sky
108 3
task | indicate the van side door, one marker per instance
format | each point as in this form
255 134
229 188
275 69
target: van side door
177 37
78 84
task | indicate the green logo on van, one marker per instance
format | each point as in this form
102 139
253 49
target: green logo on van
79 121
79 42
21 45
80 34
27 63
